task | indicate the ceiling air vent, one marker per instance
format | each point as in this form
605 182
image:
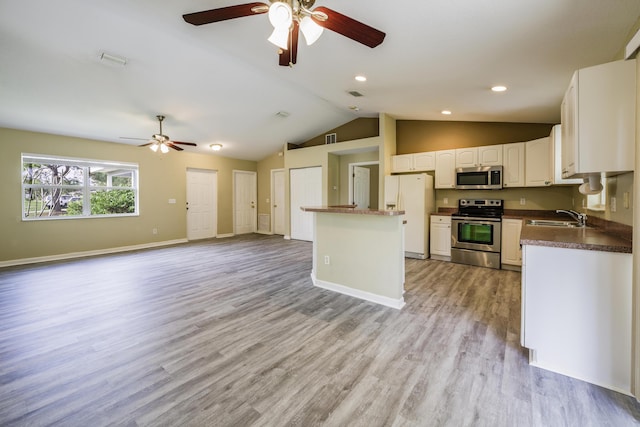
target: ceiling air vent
330 138
354 93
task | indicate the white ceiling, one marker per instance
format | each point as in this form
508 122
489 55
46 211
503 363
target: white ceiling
221 83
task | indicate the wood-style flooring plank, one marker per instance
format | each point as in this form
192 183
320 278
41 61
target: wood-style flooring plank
231 332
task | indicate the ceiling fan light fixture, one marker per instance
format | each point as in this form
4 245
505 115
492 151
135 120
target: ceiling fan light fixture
154 146
280 15
310 30
164 149
280 38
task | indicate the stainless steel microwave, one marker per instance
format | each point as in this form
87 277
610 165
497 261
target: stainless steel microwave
479 178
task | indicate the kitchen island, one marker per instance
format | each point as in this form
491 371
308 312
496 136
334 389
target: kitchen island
359 252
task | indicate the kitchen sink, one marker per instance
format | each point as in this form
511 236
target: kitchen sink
554 223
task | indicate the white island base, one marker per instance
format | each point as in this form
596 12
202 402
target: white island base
360 253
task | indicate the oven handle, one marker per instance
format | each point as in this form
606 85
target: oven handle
467 219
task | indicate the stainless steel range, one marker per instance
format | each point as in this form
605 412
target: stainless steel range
476 232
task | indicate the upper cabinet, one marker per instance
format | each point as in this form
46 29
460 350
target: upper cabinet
538 162
598 120
418 162
556 145
445 169
513 170
479 156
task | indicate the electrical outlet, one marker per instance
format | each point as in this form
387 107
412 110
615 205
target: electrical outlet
523 201
327 260
446 200
154 231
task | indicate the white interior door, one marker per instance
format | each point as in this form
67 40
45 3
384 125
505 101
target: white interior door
245 217
202 218
277 197
361 183
305 189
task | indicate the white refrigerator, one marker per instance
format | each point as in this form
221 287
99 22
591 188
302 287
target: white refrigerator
413 194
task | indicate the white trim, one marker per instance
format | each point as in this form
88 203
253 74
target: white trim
272 195
224 236
287 237
72 255
351 172
632 46
267 233
367 296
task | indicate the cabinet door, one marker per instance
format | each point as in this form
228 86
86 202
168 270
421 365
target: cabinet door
513 170
511 252
490 155
556 148
445 169
441 235
466 157
424 161
402 163
538 163
568 111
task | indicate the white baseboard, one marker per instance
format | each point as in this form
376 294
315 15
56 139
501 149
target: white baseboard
287 237
268 233
72 255
367 296
222 236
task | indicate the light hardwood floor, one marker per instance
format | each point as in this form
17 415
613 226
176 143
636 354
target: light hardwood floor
231 332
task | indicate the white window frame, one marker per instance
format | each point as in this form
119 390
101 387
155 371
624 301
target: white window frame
85 188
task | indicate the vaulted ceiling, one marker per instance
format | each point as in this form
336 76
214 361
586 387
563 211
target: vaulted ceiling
221 82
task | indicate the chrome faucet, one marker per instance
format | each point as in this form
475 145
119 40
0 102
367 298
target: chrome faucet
581 218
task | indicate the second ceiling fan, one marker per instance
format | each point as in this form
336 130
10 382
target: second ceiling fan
290 16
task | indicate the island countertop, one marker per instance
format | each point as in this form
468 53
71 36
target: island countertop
351 209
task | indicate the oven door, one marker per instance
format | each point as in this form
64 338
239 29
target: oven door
480 234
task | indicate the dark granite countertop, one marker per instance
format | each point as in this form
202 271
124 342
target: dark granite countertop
350 209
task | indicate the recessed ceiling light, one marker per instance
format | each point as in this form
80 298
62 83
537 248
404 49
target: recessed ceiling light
361 78
499 88
354 108
446 112
216 147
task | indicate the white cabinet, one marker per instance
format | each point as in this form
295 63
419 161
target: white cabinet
576 313
490 155
511 252
417 162
513 168
556 146
445 169
598 120
538 162
441 237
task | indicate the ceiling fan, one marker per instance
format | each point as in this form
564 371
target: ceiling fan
162 141
289 16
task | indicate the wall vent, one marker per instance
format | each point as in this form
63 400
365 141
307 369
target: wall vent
355 93
330 138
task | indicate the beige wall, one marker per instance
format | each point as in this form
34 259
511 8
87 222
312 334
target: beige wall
415 136
162 177
360 128
264 167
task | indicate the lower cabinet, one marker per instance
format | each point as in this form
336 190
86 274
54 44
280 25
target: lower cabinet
511 252
441 237
577 313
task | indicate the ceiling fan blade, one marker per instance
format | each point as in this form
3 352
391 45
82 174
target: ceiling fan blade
290 56
185 143
145 145
175 147
224 13
349 27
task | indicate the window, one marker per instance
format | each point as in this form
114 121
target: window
58 188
